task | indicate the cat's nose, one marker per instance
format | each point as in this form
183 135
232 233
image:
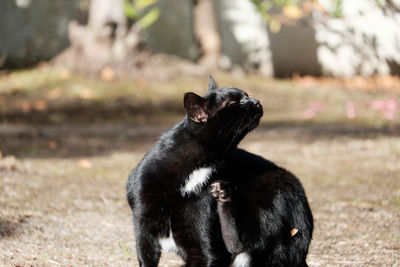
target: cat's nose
255 102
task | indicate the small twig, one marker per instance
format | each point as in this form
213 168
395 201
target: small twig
55 262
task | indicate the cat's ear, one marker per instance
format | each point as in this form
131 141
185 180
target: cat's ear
196 107
213 84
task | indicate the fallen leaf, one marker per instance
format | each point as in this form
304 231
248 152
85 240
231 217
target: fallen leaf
54 93
107 74
65 74
40 105
292 12
25 106
42 64
52 144
307 81
141 83
85 164
86 93
294 231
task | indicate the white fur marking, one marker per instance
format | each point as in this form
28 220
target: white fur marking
242 260
168 243
196 180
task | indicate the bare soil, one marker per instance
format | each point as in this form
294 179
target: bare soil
62 181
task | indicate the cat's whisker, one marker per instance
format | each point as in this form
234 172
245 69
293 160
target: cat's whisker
234 118
237 129
234 125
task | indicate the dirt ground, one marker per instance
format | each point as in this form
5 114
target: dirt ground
62 181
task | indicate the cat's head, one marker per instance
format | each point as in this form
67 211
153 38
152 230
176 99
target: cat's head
223 116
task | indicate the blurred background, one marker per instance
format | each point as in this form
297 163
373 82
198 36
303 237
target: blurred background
86 88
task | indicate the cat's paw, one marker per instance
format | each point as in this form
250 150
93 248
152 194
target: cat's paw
221 191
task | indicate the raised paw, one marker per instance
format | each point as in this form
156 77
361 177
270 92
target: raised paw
221 191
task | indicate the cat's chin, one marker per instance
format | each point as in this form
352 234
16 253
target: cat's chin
241 133
253 123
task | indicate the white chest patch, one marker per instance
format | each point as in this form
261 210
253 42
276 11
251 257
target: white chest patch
242 260
168 244
196 180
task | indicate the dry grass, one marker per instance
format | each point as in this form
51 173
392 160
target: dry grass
64 202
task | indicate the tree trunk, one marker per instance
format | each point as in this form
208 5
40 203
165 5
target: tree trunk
207 33
106 38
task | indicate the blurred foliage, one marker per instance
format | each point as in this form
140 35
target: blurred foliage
143 12
271 10
337 9
54 96
278 12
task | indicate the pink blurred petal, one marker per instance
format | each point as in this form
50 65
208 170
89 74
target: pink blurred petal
350 104
378 105
351 114
351 110
391 105
316 105
308 114
389 115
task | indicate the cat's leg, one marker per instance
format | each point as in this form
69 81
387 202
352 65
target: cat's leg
147 247
197 232
148 251
227 208
222 193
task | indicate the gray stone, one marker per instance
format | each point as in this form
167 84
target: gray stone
31 31
365 42
294 50
243 35
173 32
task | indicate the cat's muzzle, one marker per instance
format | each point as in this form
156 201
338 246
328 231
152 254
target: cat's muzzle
255 112
256 106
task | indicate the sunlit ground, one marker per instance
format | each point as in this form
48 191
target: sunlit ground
69 142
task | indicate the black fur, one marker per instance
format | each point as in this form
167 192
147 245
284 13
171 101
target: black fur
257 203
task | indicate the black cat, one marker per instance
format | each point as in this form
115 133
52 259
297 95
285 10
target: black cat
263 210
260 205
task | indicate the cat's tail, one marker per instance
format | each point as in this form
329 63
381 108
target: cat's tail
301 232
130 187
